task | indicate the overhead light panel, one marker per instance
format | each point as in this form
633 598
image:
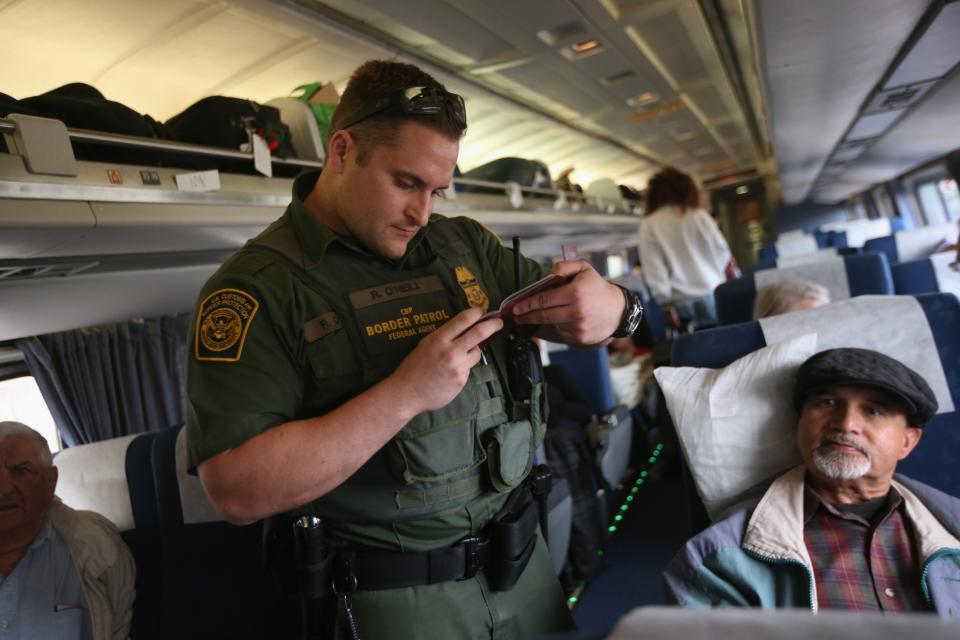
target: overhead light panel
584 46
934 54
561 33
642 100
683 136
582 49
873 125
743 190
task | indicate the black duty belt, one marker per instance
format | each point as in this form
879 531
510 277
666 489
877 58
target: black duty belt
502 554
371 570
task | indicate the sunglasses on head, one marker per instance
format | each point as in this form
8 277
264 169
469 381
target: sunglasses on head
417 101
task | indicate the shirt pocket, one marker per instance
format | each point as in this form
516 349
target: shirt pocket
334 366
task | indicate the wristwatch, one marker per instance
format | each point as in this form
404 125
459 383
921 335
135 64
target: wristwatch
632 313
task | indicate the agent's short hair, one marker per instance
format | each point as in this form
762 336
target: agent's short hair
780 297
9 428
670 186
373 80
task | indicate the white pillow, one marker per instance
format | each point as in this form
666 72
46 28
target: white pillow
737 425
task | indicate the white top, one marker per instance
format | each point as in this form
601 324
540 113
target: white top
684 254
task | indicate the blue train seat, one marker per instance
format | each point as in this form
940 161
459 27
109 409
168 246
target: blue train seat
938 273
767 255
936 460
113 478
913 244
886 245
866 274
215 582
591 370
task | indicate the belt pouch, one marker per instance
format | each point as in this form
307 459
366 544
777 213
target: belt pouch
513 534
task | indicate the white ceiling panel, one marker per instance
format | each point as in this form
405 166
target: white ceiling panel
929 131
822 60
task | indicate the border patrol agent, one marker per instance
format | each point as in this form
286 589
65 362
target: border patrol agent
340 373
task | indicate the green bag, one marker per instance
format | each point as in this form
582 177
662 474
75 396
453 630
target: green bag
323 112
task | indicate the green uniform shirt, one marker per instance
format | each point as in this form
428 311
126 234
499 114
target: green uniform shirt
266 350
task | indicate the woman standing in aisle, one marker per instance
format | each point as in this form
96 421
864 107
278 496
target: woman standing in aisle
684 254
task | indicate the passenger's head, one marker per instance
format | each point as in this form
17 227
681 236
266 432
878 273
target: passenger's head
861 412
393 150
382 95
672 187
27 481
787 296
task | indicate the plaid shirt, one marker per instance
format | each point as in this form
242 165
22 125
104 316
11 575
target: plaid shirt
859 565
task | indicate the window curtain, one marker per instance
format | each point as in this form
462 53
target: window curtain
113 380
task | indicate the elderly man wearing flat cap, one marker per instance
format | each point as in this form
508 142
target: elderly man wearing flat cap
840 531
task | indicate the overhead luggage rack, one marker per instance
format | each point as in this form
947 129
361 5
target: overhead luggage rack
54 206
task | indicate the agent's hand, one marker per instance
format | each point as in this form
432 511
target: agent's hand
437 369
584 311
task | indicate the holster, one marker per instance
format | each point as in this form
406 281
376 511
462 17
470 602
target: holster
513 534
524 370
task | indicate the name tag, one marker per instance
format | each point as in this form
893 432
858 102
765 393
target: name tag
396 316
394 291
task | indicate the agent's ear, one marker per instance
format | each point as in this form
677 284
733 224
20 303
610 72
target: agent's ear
341 144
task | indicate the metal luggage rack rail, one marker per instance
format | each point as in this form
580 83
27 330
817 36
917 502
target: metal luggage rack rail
155 144
511 194
562 200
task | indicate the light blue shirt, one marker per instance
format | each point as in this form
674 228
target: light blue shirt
43 598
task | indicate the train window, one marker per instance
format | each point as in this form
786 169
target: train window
884 203
951 197
928 193
615 266
21 402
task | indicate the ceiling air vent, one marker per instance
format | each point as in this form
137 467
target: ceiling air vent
618 77
899 98
27 271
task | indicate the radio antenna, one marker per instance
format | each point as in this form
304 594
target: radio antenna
516 262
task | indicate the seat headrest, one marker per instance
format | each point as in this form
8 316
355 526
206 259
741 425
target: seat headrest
893 325
93 477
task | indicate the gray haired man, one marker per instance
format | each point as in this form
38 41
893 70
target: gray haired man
64 574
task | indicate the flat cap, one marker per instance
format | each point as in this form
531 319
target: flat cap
863 367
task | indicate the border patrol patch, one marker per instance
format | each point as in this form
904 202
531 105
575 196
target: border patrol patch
222 324
476 296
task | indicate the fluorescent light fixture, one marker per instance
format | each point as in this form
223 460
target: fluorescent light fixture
935 54
847 154
645 98
873 125
683 136
584 46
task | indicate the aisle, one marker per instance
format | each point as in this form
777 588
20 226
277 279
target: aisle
647 537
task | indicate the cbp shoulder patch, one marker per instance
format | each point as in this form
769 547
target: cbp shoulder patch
222 323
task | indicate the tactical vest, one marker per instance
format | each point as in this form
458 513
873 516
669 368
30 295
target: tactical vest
483 440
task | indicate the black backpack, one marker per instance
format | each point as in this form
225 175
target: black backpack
570 457
81 106
219 121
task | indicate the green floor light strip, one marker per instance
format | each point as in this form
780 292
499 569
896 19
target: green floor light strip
624 507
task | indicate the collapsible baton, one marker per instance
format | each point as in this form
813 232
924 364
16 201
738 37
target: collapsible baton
313 576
